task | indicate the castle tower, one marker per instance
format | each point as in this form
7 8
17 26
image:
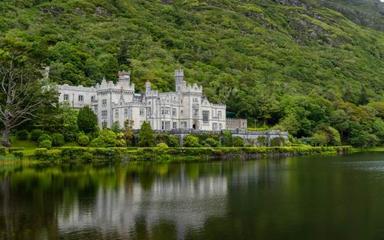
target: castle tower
147 87
179 80
124 76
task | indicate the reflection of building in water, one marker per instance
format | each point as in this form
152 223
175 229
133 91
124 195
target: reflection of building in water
184 203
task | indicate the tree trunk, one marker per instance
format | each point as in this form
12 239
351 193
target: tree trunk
5 138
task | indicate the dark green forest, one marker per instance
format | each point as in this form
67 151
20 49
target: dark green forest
314 68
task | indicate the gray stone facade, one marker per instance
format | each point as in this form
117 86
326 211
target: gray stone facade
186 108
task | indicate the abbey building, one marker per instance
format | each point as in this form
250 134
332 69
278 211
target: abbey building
185 109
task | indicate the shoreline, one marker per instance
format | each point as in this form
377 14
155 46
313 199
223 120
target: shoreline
169 154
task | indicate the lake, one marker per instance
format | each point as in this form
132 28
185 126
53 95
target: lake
316 197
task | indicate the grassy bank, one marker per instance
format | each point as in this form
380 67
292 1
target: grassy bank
87 154
368 149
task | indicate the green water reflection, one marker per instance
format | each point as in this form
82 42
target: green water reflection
296 198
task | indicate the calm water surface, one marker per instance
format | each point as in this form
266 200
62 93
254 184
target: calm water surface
295 198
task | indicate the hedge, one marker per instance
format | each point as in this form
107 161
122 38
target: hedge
165 154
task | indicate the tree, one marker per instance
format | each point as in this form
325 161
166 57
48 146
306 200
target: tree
68 117
116 127
146 138
319 138
326 135
226 139
21 95
87 120
123 57
128 132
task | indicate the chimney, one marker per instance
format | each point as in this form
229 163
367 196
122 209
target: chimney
124 76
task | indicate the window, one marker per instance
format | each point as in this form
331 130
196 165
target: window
149 111
214 126
167 125
104 114
95 109
104 124
81 98
162 125
125 112
66 97
149 102
195 100
116 113
174 125
220 126
141 111
164 110
219 114
93 98
205 116
173 111
184 125
104 102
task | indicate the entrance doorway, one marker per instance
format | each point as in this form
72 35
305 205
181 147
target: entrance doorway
195 125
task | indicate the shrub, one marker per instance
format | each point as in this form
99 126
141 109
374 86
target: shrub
262 141
161 138
22 135
161 151
276 142
18 154
35 134
162 146
45 144
191 141
87 157
106 138
170 140
238 142
173 141
121 143
97 142
69 136
40 153
14 149
44 137
58 140
120 140
3 150
83 140
210 142
71 153
227 139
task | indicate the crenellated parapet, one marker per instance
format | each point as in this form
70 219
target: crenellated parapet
79 88
149 92
193 88
123 84
128 104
